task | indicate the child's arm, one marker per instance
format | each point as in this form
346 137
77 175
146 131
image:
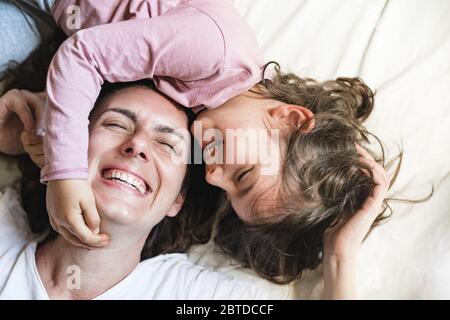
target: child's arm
183 51
342 242
174 52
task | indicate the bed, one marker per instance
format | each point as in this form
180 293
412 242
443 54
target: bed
401 48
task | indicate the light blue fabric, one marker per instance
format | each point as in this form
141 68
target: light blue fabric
21 27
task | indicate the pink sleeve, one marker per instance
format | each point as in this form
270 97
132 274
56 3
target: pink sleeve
175 49
97 12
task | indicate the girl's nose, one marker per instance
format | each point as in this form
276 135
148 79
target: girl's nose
214 175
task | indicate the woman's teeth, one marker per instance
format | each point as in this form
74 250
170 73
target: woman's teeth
127 179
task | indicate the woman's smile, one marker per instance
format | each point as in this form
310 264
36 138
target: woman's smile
120 178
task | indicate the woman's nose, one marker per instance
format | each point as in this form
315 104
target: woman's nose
135 148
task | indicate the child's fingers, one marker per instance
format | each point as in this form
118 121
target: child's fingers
72 239
82 232
361 222
380 175
90 213
92 218
372 205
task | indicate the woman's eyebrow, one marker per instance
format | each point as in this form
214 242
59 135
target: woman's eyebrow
127 113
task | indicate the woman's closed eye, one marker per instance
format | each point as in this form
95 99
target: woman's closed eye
117 125
170 146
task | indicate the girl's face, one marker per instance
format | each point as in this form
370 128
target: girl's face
242 145
134 135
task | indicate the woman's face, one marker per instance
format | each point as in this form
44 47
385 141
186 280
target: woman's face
135 135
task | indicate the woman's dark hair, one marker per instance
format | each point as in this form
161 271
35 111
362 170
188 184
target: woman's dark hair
322 180
192 225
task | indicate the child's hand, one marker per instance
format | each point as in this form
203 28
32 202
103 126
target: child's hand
19 110
73 214
34 146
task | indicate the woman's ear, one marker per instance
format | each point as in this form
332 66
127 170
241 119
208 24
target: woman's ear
293 116
176 206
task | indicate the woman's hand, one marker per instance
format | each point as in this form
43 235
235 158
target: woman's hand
342 242
34 146
19 110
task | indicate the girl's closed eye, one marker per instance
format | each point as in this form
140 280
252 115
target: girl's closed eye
243 174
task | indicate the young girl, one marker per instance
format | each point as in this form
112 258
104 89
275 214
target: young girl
277 222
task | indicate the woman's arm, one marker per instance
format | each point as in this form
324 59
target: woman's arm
342 242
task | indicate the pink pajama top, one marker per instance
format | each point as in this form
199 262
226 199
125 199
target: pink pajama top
198 52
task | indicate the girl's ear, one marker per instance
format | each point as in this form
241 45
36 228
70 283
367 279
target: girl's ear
293 116
176 206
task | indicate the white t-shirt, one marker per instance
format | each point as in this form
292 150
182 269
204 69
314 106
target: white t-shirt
169 276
